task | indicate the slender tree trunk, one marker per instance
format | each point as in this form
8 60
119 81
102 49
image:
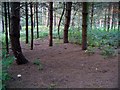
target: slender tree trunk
84 25
67 20
37 19
109 17
72 18
34 15
105 20
119 17
41 16
31 7
48 18
54 18
45 17
8 15
73 24
26 9
100 23
2 19
114 27
51 24
6 30
61 20
79 20
2 25
92 11
15 33
113 17
115 22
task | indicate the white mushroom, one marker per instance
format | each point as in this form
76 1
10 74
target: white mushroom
19 75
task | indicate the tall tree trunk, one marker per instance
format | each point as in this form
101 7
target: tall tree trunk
34 14
8 15
67 20
79 20
100 23
6 30
105 20
61 20
26 9
48 18
119 17
31 7
2 19
84 25
15 33
54 18
37 19
51 24
113 17
73 24
108 27
45 16
92 11
41 16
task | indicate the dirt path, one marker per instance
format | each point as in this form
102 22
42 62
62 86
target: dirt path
64 66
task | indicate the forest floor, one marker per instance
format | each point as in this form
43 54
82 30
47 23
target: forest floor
63 66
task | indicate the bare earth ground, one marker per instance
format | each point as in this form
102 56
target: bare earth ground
64 66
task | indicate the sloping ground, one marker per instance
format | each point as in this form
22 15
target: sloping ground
64 66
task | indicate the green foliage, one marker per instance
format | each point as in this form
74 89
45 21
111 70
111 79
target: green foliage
75 35
5 63
36 62
51 86
7 60
55 32
43 32
58 41
100 38
2 40
90 50
39 64
97 38
108 51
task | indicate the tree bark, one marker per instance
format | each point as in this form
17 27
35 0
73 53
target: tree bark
119 17
37 19
2 19
113 17
8 15
108 27
15 33
84 25
61 20
6 30
31 7
67 20
48 17
41 16
34 14
105 20
26 9
51 24
54 18
73 24
45 16
79 20
92 11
